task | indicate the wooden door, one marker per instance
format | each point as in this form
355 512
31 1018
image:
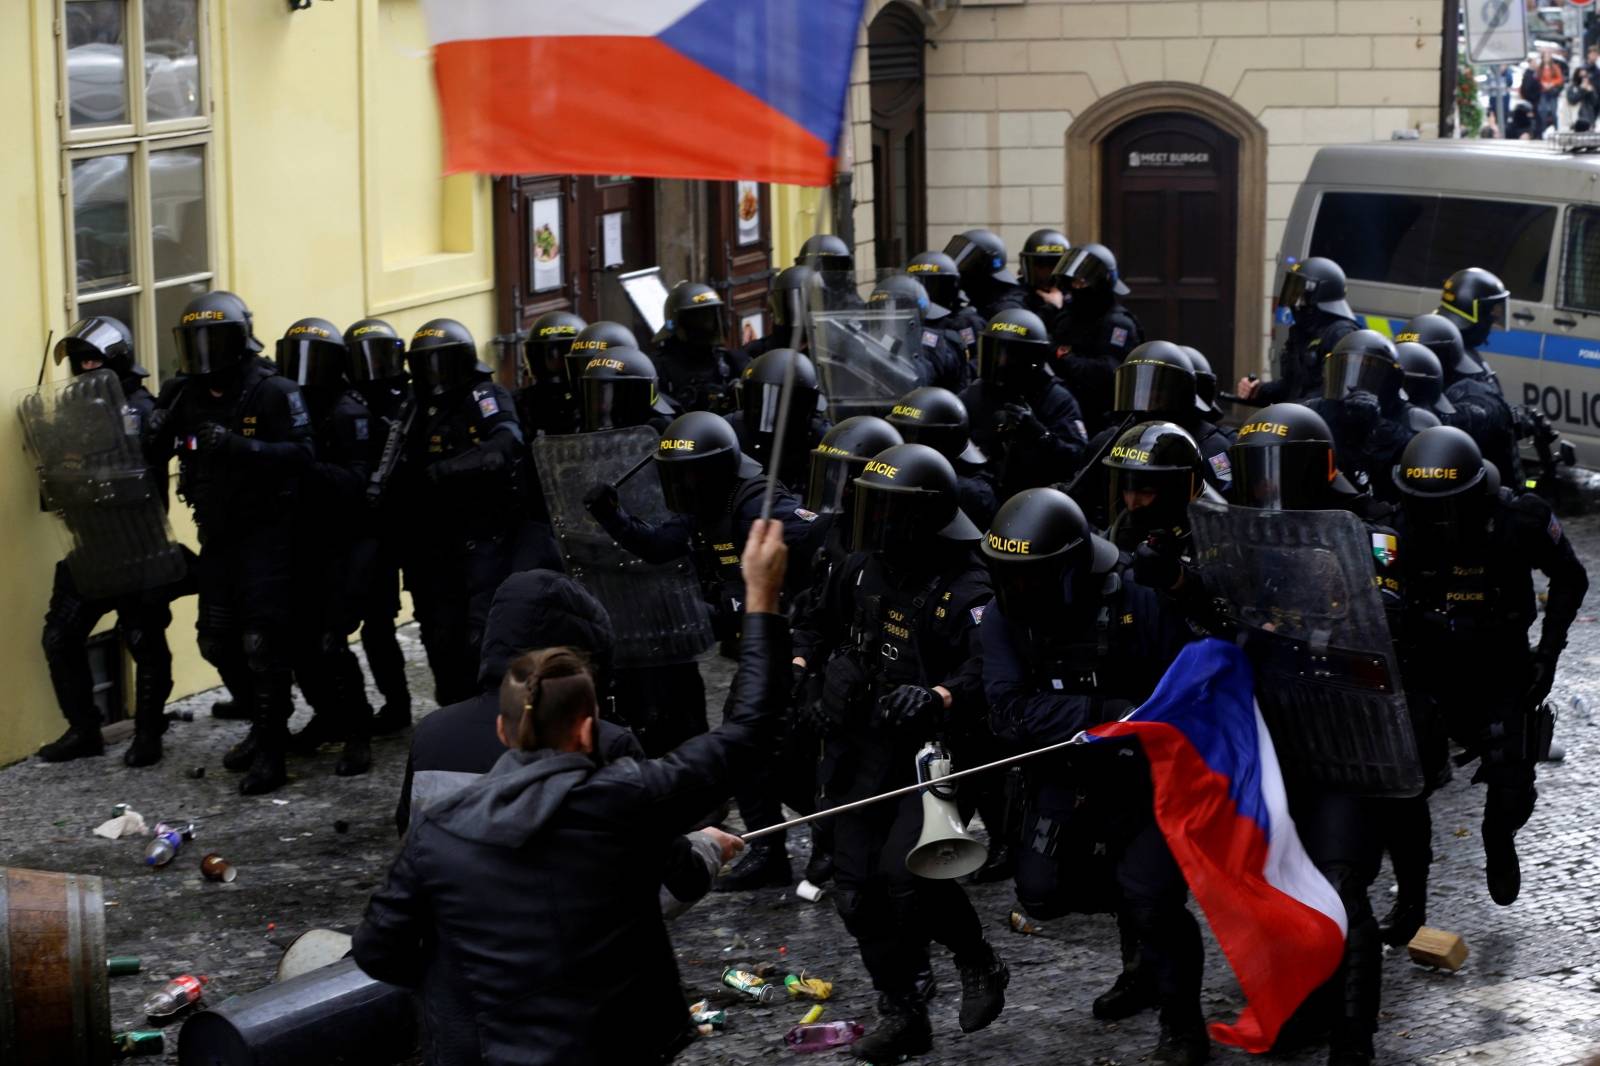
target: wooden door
741 255
1170 214
895 43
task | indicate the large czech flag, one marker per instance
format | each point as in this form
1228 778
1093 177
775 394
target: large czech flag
714 89
1221 805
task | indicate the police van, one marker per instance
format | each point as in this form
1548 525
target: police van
1402 216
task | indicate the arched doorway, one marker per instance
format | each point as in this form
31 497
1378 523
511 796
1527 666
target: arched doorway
895 43
1175 278
1170 212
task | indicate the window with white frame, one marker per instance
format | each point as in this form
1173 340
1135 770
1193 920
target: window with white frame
136 137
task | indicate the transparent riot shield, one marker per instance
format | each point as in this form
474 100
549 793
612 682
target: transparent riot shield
658 611
1300 584
867 359
92 473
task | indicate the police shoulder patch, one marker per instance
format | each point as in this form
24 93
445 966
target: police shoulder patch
1119 337
805 515
1385 549
1222 466
487 403
298 415
930 338
977 614
363 432
1554 529
968 336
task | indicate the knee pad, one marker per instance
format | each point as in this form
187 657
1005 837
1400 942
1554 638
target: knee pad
58 640
215 647
146 645
258 651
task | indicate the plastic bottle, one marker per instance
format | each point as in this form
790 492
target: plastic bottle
823 1036
178 994
169 838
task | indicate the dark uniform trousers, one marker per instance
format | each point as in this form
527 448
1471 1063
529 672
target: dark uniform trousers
385 661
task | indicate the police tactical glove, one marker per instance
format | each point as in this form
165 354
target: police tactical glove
602 500
1156 569
909 705
156 422
1018 420
479 460
211 437
1543 676
1360 410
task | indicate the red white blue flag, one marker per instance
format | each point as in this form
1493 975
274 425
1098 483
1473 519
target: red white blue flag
712 89
1220 802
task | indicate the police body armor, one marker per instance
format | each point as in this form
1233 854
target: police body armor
489 502
715 552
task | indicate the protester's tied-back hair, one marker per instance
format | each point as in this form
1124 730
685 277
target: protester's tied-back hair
558 691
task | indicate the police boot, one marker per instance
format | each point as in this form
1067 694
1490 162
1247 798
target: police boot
1182 1045
819 868
76 743
394 716
902 1031
149 718
1135 988
983 989
999 866
1409 913
230 710
1500 863
243 754
317 732
267 772
765 864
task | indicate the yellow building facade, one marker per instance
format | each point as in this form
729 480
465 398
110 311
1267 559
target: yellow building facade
292 157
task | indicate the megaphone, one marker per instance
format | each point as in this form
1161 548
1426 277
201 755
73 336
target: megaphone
945 850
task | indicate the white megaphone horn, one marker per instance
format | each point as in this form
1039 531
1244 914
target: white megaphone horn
945 850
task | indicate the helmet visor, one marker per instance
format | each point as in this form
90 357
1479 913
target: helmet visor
1292 294
968 256
702 325
1282 477
99 341
1039 270
1007 364
1084 269
377 358
1347 372
831 484
310 362
1443 518
701 486
788 307
211 348
1155 498
1155 388
617 403
1031 593
443 368
890 519
545 356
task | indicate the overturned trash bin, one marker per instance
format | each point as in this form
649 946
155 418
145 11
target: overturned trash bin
335 1014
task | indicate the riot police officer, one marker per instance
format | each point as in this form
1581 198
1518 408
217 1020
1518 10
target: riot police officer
1478 302
898 634
942 279
463 491
1424 378
617 389
1365 405
696 367
335 547
1095 332
943 362
378 374
1284 461
788 302
937 417
756 421
1312 304
548 403
245 438
1022 417
92 344
1069 642
834 268
980 256
1036 274
1478 407
1469 604
1205 386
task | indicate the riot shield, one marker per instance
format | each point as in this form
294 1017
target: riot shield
867 359
658 611
1301 585
92 472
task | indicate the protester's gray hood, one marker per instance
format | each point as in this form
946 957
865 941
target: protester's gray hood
514 800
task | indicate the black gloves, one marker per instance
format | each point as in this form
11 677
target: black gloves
476 461
909 705
211 437
157 421
602 501
1360 411
1543 676
1156 569
1018 420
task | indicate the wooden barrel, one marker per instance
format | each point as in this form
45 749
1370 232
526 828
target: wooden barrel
54 1000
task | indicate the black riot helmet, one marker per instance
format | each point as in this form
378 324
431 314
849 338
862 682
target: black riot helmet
1011 349
1445 484
826 254
1424 377
312 354
905 497
444 356
1157 379
1440 335
1092 267
99 339
1038 540
694 315
1040 253
1364 360
592 340
760 393
939 275
904 291
700 465
549 342
1479 302
214 335
979 254
841 456
936 417
377 352
619 390
1155 470
1205 379
1314 284
1283 461
787 299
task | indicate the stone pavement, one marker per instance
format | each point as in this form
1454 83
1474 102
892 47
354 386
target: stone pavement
1528 995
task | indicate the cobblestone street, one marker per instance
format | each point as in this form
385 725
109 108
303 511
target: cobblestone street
309 855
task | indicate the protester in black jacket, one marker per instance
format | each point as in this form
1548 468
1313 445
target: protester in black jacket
533 893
